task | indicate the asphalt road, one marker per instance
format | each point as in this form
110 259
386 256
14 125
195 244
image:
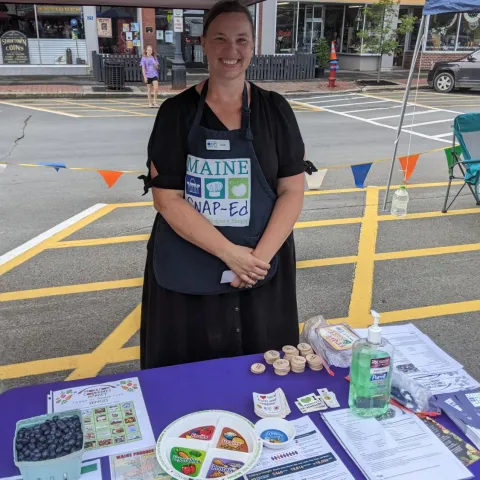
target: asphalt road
63 303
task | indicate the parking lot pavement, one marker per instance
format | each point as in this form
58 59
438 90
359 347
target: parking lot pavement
73 299
428 115
98 108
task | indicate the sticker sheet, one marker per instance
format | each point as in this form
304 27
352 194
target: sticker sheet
114 414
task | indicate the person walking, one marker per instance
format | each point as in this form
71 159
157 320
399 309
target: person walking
226 163
149 64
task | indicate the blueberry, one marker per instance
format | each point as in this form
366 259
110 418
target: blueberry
58 434
59 449
66 448
79 436
71 442
45 454
42 439
67 437
38 456
19 447
20 457
55 418
31 446
78 445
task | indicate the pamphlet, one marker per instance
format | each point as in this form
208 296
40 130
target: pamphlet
415 352
397 445
114 415
310 457
138 465
465 452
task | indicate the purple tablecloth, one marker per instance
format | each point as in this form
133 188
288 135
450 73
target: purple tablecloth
175 391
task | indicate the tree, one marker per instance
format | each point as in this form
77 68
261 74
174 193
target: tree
380 35
322 52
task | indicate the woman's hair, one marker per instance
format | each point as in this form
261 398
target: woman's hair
227 6
144 53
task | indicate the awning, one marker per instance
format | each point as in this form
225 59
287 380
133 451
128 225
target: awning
191 4
432 7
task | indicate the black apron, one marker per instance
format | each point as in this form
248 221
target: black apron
225 183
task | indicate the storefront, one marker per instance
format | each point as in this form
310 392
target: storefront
297 27
118 30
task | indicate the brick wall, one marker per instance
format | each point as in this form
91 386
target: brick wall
148 20
428 59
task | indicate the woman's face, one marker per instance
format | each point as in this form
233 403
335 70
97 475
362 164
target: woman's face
149 51
229 45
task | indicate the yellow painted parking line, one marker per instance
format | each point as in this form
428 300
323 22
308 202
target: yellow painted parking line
115 341
101 241
416 216
51 365
326 262
133 204
307 105
98 107
6 267
29 107
425 252
70 289
419 313
361 298
326 223
137 104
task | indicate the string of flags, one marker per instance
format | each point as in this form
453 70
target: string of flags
314 178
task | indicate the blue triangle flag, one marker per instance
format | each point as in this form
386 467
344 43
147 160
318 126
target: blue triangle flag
56 166
360 173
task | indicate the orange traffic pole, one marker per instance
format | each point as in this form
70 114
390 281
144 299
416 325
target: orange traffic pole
333 67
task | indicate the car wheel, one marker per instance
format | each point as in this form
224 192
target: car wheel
444 82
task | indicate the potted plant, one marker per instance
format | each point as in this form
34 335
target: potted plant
322 54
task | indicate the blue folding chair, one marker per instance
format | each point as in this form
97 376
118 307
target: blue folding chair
466 130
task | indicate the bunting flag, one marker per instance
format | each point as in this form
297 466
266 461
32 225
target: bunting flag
110 176
3 166
56 166
408 165
360 173
315 180
448 154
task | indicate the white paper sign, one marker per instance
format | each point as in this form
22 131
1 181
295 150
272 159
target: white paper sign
178 12
114 415
178 24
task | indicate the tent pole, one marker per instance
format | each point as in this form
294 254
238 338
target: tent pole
418 47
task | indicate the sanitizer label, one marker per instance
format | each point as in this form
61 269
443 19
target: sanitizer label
379 368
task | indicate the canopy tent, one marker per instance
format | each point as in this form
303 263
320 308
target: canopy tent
191 4
432 7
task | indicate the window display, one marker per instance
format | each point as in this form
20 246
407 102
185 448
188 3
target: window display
469 34
286 22
442 32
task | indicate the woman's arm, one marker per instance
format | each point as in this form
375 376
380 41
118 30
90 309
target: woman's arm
196 229
144 73
290 191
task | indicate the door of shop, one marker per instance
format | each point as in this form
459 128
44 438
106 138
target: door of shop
313 30
191 45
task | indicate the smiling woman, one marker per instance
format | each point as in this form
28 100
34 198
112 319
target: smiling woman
225 162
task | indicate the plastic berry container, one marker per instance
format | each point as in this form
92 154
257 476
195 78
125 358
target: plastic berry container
66 467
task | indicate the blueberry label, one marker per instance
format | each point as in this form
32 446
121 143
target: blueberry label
222 466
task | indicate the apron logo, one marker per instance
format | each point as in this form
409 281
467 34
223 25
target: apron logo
219 189
218 144
193 186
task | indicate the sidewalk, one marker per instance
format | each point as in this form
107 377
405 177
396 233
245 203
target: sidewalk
87 87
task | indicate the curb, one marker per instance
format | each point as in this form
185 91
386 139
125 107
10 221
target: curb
88 93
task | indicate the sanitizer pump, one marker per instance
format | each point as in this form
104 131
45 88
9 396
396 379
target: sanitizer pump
371 372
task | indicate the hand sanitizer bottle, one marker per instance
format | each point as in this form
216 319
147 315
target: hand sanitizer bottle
371 373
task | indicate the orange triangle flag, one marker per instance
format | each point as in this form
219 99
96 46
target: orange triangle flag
408 165
110 177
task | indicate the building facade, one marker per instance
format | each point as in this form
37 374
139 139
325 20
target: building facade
52 39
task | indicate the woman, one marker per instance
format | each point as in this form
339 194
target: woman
226 164
149 64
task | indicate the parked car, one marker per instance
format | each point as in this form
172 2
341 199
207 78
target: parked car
463 73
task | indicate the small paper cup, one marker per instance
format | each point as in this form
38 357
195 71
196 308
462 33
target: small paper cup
276 433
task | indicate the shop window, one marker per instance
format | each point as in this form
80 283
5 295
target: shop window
417 13
353 26
19 18
57 21
286 23
442 32
333 25
469 35
120 30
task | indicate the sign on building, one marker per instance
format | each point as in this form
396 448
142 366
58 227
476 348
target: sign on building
15 48
104 27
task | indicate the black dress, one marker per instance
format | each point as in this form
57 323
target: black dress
179 328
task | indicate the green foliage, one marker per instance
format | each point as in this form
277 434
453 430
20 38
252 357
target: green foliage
380 36
322 52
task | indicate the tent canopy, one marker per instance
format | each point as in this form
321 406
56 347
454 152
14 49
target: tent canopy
191 4
432 7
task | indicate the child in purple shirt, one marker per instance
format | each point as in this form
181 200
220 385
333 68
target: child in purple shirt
149 64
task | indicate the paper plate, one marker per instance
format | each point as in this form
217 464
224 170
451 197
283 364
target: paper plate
209 444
